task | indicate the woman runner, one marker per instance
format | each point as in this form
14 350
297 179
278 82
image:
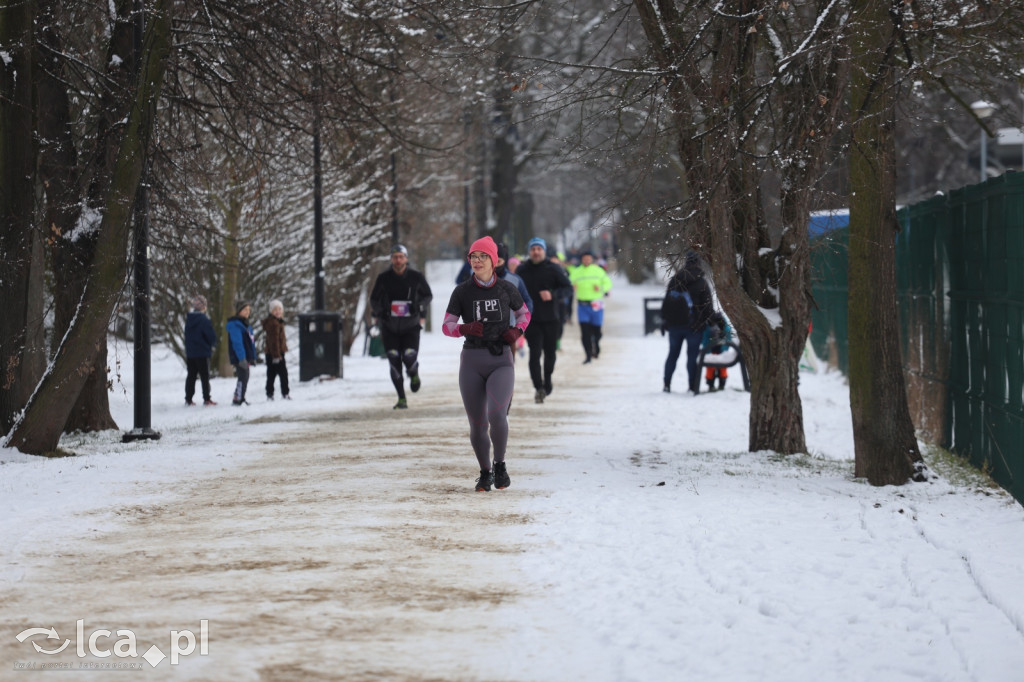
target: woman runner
494 318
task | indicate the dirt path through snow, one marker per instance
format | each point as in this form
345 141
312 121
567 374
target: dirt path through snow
352 548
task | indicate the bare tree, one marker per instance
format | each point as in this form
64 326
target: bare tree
40 428
753 89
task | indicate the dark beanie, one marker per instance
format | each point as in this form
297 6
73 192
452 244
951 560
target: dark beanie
240 305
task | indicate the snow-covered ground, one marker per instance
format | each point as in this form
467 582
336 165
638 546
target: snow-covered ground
329 537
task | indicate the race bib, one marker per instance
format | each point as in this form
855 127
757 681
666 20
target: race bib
597 305
401 308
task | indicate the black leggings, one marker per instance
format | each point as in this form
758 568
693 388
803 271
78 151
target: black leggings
402 349
486 382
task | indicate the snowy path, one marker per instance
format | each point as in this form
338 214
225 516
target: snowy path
332 538
348 549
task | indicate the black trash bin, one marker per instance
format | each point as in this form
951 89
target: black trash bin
319 345
652 315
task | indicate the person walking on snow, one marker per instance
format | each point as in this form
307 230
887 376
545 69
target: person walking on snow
685 311
592 284
486 304
399 303
276 345
199 342
241 349
545 281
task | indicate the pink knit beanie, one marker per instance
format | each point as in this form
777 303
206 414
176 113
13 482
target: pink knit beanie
487 245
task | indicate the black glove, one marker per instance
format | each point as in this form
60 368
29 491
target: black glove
511 335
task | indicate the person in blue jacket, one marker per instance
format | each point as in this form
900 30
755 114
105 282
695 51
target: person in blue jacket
241 349
717 335
199 342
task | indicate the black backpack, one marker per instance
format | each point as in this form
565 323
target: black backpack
676 308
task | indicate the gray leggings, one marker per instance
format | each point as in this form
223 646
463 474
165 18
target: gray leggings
486 382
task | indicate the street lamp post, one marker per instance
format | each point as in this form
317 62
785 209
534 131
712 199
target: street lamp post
143 409
982 110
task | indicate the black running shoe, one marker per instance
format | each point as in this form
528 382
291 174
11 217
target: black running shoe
414 382
538 395
484 483
501 479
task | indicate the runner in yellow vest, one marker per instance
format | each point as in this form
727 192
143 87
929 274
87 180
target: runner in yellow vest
592 284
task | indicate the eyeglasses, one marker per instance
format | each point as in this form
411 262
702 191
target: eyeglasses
478 257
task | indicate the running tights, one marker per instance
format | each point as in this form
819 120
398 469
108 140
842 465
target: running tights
486 382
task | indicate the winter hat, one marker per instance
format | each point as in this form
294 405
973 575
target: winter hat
537 241
513 263
502 251
275 304
398 248
199 303
240 305
487 245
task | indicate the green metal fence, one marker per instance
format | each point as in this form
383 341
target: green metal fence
960 284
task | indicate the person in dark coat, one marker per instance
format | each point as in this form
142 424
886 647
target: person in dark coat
276 345
399 303
199 342
546 282
685 312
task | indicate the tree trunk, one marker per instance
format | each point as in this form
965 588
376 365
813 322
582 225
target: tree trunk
17 162
39 431
772 353
60 173
229 290
885 448
503 171
35 355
